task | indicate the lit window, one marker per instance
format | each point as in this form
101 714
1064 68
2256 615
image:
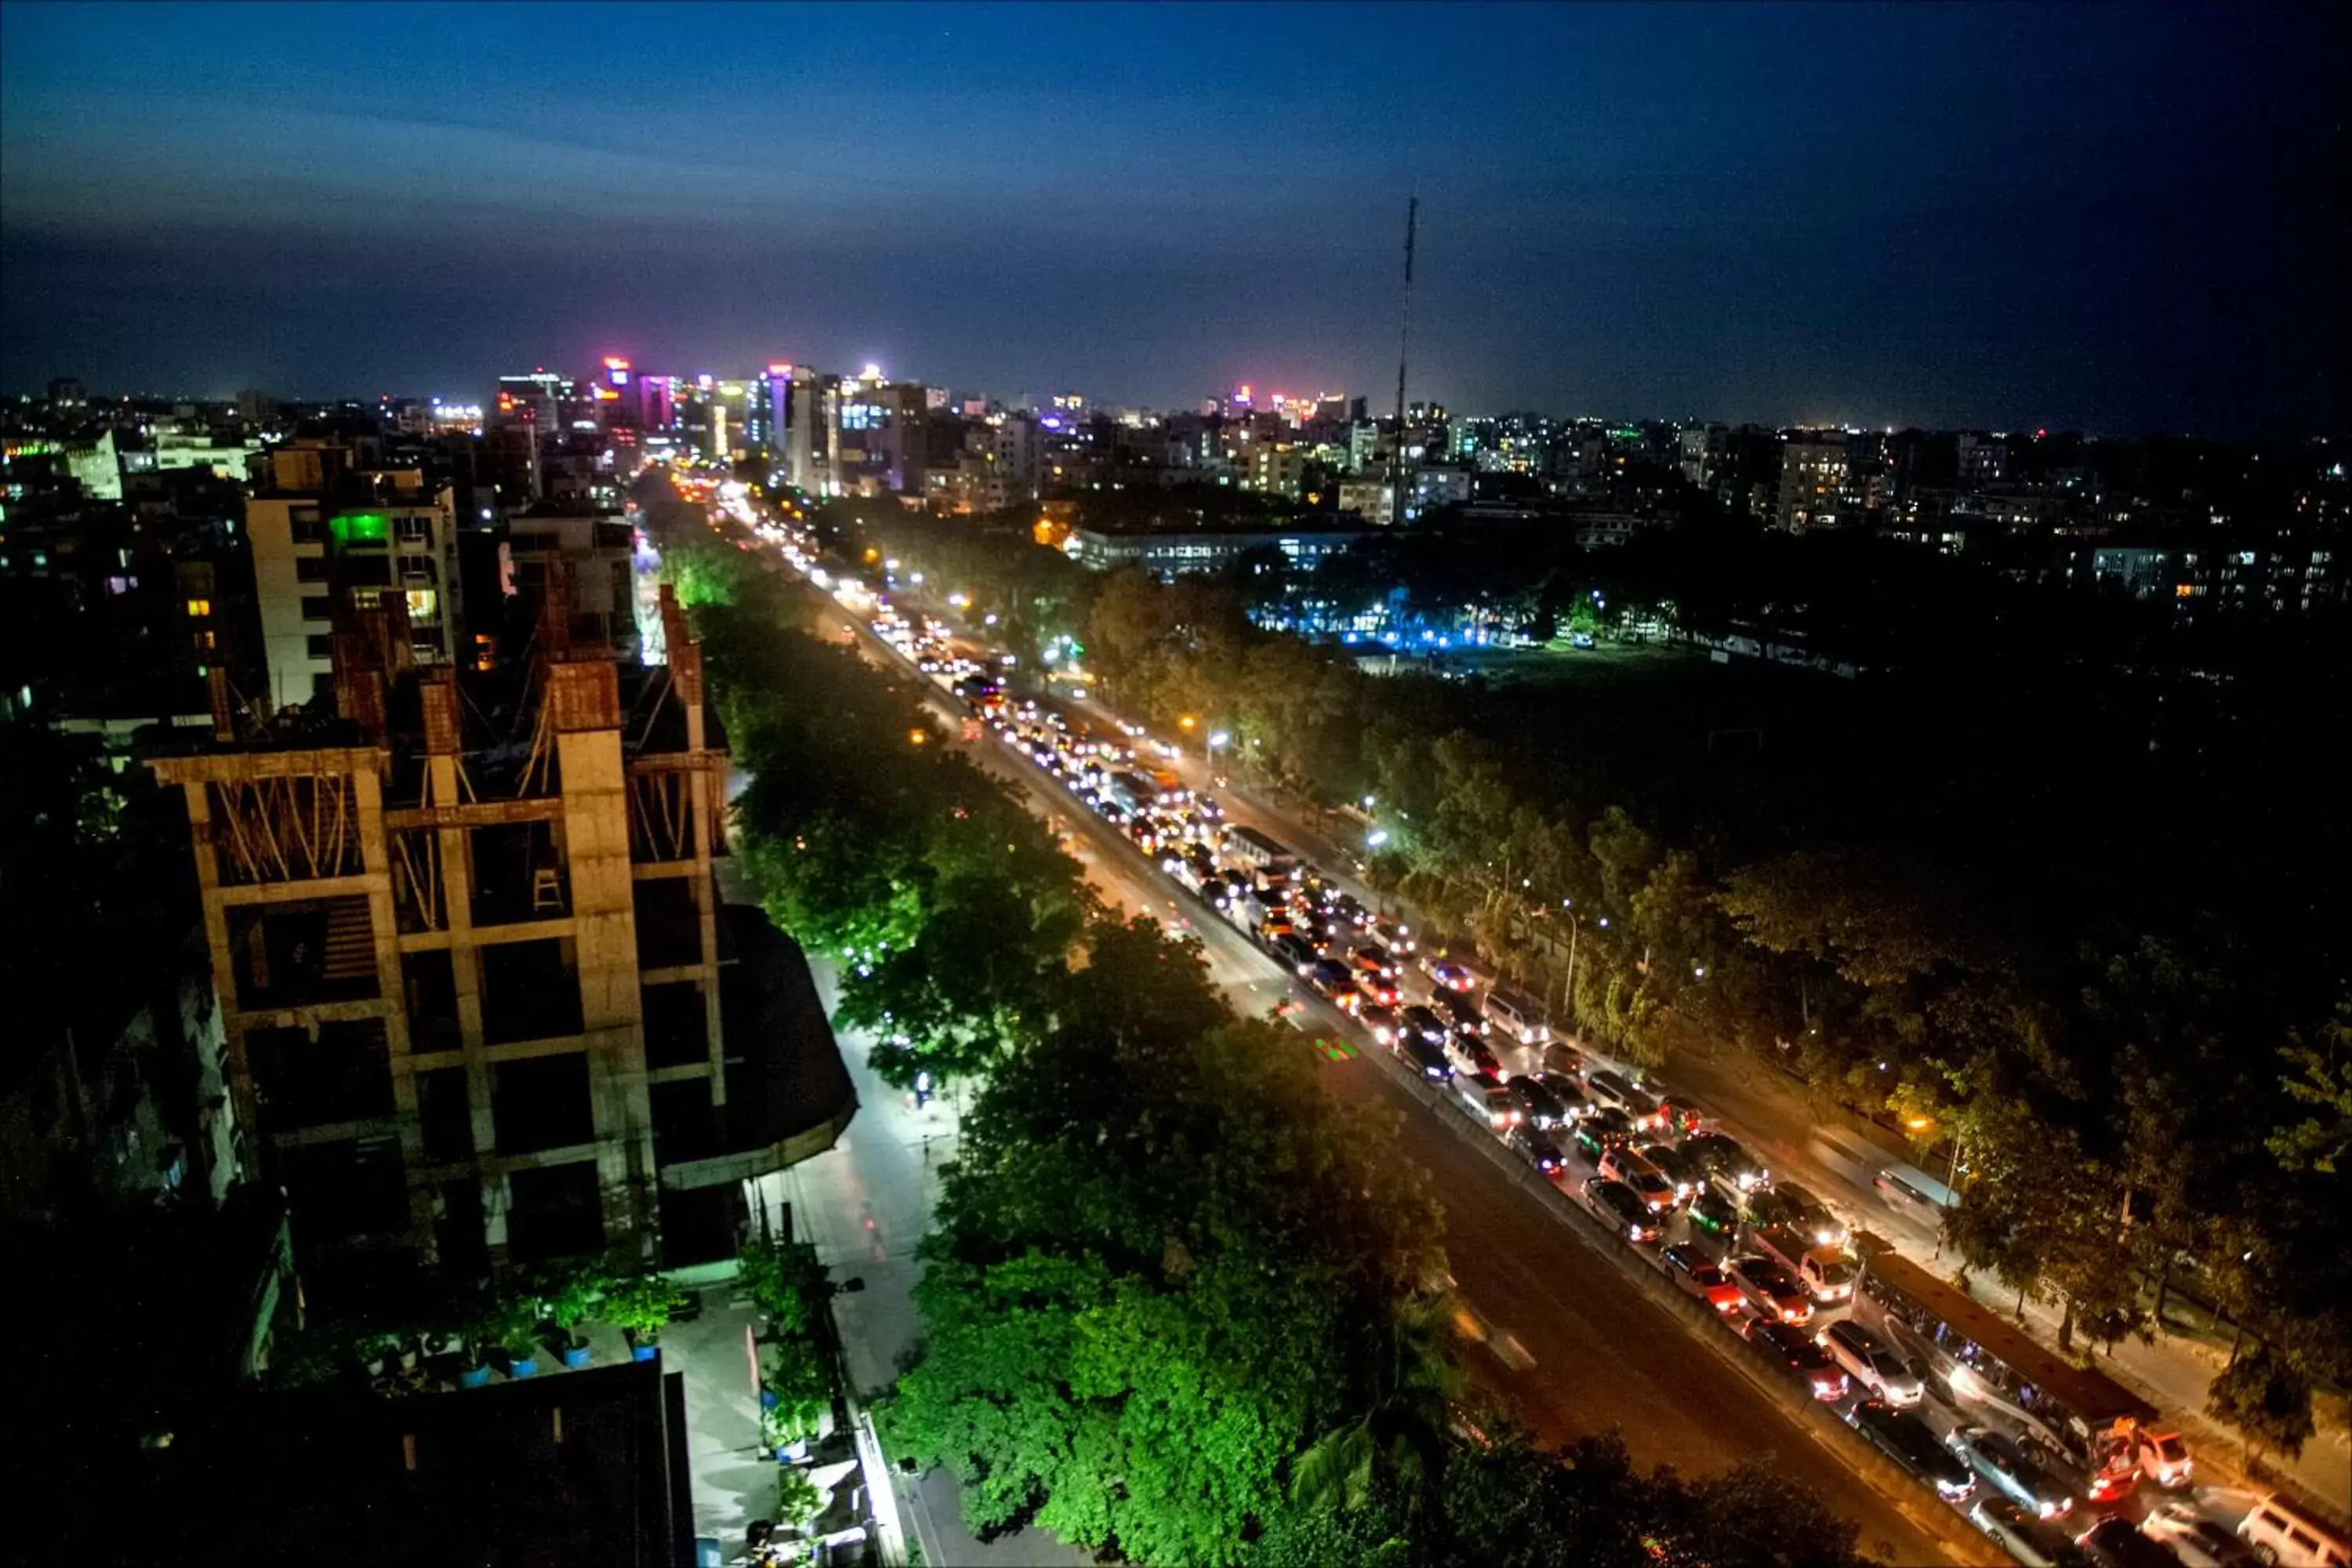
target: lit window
200 608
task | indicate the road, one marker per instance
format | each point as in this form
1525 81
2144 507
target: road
1575 1346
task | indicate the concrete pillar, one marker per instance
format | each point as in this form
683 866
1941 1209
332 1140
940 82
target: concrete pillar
586 697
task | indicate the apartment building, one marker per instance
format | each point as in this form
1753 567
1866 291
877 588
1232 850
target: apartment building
368 539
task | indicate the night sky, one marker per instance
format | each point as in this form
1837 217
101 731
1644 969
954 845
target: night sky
2101 217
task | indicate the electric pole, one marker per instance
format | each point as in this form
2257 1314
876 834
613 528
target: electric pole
1404 343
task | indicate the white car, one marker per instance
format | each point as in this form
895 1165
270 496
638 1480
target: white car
2197 1541
1872 1362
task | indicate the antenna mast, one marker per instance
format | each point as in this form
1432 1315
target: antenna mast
1404 343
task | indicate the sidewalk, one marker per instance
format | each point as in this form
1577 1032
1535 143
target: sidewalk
864 1205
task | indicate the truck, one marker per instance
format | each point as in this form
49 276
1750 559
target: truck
1826 1273
1268 863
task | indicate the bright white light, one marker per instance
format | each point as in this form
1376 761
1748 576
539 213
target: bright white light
1376 837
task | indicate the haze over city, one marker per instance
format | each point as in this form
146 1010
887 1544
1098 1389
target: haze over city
2114 218
1218 786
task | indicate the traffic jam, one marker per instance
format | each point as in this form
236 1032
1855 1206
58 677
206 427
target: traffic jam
2052 1463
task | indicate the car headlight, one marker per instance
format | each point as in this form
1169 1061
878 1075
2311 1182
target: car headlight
1954 1489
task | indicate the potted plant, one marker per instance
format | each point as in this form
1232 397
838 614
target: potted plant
798 1500
785 1281
375 1352
475 1354
569 1299
792 1402
518 1336
639 1305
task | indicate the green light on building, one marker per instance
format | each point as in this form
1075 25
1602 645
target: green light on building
361 528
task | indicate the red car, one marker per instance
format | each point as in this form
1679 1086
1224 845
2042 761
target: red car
1772 1288
1688 1268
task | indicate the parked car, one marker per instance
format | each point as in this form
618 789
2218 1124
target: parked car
1457 1006
1617 1206
1449 976
1624 1164
2030 1540
1771 1288
1790 1206
1331 978
1996 1457
1610 1089
1787 1347
1686 1117
1542 1107
1715 1214
1903 1437
1487 1103
1688 1268
1537 1144
1519 1017
2197 1541
1686 1177
1424 1022
1472 1058
1727 1164
2283 1533
1426 1055
1872 1363
1602 1130
2164 1457
1569 1092
1294 951
2115 1542
1562 1057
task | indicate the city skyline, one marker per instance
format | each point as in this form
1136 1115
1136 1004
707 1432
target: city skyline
1992 219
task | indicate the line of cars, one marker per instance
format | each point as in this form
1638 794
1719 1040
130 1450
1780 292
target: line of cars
1655 1158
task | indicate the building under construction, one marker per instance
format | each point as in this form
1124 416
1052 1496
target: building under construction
482 1001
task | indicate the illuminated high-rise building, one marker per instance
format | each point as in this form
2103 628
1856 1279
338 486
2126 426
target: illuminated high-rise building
768 413
809 430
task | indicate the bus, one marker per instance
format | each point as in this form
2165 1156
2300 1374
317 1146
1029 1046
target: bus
2082 1420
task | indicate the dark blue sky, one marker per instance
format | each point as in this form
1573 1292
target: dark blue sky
2095 216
